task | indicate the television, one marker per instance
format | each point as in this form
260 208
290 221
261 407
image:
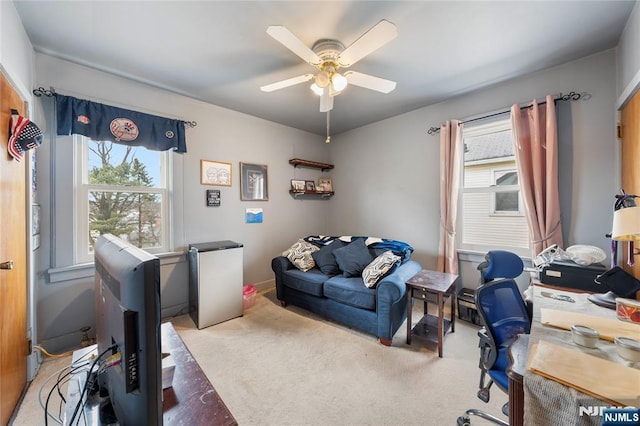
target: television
127 291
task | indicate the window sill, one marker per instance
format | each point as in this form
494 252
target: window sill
86 270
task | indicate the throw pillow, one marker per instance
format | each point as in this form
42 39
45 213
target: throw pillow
324 258
380 267
353 258
300 255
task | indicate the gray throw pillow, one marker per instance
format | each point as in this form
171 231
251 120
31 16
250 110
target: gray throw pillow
353 258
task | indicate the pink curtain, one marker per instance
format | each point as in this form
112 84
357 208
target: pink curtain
450 169
536 139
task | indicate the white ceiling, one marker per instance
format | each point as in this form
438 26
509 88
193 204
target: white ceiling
219 51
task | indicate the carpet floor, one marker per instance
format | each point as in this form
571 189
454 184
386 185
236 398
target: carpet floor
286 366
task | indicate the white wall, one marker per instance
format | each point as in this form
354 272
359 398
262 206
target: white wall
387 173
65 302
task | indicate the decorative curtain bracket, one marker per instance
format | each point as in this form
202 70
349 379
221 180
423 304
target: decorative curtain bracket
433 130
40 91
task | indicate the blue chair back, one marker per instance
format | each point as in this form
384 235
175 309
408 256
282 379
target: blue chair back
500 264
503 311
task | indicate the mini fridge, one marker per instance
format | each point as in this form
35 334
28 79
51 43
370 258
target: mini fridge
215 282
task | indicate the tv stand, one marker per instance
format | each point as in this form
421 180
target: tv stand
181 402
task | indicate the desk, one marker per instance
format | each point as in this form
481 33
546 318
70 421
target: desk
191 400
546 401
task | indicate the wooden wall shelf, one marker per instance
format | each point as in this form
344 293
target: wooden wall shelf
321 194
295 162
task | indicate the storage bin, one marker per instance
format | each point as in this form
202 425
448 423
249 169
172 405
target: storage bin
249 296
467 310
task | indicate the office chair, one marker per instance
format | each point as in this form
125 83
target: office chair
504 315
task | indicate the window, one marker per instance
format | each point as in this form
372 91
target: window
491 207
121 190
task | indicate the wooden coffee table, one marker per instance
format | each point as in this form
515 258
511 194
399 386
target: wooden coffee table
434 287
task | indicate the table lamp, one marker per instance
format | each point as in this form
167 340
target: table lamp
626 228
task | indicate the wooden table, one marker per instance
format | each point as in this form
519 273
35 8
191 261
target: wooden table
434 287
517 355
191 400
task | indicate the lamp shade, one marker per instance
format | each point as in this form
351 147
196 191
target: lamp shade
626 224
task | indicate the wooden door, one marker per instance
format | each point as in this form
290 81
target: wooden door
13 282
630 151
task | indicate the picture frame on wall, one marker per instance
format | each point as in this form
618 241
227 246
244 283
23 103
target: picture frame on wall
253 182
325 185
215 173
297 185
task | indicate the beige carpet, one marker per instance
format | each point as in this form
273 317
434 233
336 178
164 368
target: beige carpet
285 366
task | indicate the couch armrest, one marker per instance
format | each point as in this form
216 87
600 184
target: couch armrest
279 264
392 288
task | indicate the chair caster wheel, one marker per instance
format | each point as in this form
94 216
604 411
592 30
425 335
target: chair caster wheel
483 394
463 421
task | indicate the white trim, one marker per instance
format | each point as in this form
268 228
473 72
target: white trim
629 91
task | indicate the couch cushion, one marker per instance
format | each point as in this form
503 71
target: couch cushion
381 266
300 255
325 260
350 291
353 258
310 282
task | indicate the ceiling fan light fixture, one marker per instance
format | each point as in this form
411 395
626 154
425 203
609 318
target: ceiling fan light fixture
317 89
338 81
322 79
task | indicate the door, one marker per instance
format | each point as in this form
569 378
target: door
630 151
13 276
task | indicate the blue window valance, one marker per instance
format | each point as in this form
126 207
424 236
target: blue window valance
107 123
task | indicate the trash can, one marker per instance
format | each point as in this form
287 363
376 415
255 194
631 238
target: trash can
249 296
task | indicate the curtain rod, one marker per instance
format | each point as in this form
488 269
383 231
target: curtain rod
41 91
571 96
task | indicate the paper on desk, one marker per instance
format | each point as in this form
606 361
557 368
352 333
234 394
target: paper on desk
606 380
608 328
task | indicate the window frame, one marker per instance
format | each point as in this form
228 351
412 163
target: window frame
494 126
81 199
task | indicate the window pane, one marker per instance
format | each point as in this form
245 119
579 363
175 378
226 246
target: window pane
135 217
115 164
507 202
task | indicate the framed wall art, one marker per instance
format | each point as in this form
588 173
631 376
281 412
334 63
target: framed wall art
297 185
325 185
253 182
215 173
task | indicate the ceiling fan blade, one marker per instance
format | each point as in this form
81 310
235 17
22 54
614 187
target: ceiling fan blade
379 35
286 83
326 101
370 82
293 43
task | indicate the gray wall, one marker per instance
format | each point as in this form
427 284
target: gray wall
629 57
387 173
65 301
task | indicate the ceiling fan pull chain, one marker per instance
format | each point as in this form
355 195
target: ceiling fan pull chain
328 137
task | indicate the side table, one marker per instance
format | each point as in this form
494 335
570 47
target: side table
434 287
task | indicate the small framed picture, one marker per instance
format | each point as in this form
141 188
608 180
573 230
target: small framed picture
297 185
215 173
253 182
325 185
309 186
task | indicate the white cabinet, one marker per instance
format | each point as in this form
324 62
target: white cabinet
215 282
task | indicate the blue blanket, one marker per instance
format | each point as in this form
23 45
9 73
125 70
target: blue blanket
399 248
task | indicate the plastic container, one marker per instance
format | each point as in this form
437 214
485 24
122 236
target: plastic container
628 310
584 336
249 296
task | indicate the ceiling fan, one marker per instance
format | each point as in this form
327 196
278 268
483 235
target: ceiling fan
328 56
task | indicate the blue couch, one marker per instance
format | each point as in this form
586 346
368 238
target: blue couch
379 311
